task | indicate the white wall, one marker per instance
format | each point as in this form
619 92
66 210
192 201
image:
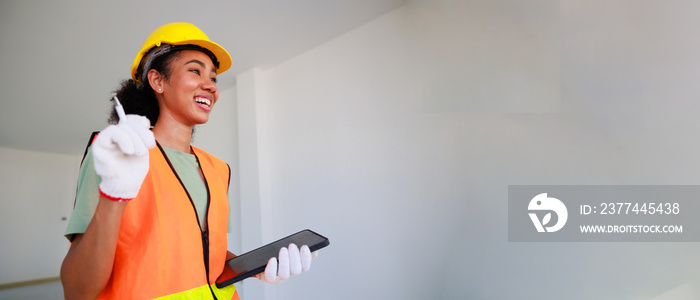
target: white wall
398 141
36 193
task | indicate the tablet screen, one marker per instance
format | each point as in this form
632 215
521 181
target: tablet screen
254 262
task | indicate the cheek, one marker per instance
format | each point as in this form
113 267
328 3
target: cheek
191 85
185 84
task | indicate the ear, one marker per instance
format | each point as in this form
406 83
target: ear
155 79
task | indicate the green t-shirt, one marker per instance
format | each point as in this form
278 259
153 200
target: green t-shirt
88 194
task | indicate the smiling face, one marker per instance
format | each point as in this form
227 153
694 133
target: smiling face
188 94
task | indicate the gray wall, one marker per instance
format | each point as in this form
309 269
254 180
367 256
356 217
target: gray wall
399 139
36 192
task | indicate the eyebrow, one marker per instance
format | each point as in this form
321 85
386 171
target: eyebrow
199 62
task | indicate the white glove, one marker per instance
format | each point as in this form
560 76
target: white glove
292 262
120 153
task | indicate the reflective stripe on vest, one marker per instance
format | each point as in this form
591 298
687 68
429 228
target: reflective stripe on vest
203 293
161 250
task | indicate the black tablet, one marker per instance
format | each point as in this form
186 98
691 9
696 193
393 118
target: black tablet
254 262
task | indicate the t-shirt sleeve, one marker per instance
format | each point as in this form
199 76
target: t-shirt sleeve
86 199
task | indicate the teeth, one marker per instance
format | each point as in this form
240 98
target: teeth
204 101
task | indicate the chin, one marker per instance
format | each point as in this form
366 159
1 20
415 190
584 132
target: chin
199 120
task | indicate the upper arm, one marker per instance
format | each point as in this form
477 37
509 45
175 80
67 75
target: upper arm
86 199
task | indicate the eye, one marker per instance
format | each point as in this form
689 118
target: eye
213 79
196 71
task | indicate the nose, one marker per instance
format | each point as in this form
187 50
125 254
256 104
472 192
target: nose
209 86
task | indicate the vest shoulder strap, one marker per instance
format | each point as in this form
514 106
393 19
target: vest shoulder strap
92 139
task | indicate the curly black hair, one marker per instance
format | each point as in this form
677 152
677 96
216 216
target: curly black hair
139 98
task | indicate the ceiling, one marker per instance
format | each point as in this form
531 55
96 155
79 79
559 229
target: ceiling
61 59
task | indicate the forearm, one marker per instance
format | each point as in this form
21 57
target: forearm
88 264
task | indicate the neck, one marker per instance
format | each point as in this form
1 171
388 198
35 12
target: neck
173 135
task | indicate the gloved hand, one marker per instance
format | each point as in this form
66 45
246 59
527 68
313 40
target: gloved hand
120 153
292 262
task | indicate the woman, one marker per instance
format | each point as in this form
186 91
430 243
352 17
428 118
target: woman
151 211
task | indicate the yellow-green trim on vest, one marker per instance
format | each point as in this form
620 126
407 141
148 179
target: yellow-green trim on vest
203 293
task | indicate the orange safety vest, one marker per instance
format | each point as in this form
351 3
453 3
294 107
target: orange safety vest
162 253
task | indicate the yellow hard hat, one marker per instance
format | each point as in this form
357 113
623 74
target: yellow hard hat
181 34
